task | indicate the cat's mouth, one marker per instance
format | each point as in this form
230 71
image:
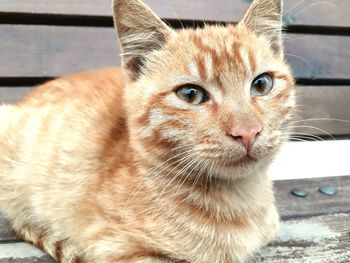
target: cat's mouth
247 159
243 161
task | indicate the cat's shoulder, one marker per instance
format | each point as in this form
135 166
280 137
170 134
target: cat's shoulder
101 84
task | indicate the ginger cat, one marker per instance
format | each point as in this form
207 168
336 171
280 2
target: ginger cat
162 161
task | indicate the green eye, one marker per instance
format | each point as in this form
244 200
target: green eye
192 94
262 85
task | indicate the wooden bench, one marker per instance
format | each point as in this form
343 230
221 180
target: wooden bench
44 39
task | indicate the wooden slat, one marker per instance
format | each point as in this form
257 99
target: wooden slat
319 103
55 51
311 240
327 107
22 253
315 203
316 56
311 12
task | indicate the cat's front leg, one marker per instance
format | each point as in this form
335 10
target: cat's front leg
62 251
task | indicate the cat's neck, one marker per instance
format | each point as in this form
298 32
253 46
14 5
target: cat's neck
202 193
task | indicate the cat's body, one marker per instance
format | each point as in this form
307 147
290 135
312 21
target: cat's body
102 167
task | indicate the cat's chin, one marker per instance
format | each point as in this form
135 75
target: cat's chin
243 159
231 169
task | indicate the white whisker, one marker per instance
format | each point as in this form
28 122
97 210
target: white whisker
313 5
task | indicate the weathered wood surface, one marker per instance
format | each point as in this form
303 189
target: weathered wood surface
327 107
318 103
320 239
311 12
54 51
28 51
314 230
315 203
22 253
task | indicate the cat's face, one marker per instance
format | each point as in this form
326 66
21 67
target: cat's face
218 97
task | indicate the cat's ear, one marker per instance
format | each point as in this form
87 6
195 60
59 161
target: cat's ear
264 17
140 32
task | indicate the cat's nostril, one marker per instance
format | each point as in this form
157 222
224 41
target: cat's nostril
246 137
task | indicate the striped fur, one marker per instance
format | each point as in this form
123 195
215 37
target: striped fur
103 167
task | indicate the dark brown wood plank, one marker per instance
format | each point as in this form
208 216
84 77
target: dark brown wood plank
22 253
321 104
315 203
311 240
311 12
55 51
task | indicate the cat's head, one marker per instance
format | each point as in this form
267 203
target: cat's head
218 96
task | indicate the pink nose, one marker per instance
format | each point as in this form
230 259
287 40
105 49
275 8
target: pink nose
246 135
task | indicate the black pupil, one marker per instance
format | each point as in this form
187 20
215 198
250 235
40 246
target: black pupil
260 84
190 93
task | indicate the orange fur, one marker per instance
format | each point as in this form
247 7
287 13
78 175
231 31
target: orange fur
111 166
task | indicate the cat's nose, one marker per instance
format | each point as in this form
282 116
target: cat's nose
246 135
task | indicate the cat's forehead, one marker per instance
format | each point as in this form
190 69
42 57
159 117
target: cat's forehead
216 37
220 50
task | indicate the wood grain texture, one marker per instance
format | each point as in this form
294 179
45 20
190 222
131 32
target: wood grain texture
326 108
54 51
316 56
59 50
315 203
318 103
318 239
311 12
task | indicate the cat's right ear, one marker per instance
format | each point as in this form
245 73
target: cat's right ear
140 32
264 17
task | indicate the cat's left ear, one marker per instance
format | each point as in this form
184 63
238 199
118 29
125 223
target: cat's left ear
140 32
264 18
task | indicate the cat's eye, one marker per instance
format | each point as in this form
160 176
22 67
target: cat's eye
262 85
192 94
